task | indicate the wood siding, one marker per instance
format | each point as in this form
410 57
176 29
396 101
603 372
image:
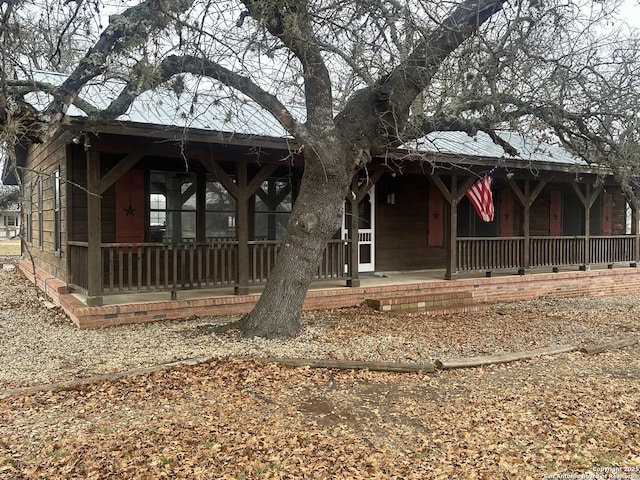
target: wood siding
42 162
402 230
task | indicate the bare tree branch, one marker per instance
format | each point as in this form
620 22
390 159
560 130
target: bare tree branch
290 21
124 31
174 65
394 93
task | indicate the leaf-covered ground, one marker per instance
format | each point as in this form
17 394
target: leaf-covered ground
567 414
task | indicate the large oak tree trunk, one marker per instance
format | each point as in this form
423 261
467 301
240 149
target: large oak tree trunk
316 216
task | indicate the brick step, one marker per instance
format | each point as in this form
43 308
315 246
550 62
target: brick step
441 301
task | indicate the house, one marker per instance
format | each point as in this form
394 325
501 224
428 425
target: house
9 223
180 196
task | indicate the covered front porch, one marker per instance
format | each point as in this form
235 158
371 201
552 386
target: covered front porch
121 218
219 224
166 269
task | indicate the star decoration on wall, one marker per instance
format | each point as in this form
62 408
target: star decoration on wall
130 212
436 215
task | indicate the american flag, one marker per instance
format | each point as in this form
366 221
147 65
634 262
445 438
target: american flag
481 198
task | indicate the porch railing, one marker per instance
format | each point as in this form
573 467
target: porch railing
146 267
78 255
612 249
480 253
556 251
490 253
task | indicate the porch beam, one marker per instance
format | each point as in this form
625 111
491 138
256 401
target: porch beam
437 181
244 190
256 182
274 201
94 230
188 193
362 190
116 172
590 197
527 199
587 199
462 190
587 222
216 170
536 191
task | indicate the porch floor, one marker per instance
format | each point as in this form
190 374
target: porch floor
366 280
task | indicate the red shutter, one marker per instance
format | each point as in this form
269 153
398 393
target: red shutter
607 213
130 207
555 214
436 218
506 212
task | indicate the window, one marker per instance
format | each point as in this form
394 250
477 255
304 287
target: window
10 221
57 214
220 212
28 214
40 219
273 207
172 206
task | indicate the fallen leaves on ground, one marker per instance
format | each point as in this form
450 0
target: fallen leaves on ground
234 419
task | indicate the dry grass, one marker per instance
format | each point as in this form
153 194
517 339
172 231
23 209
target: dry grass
10 248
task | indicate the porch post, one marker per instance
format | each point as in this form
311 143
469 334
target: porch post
587 228
587 199
242 229
358 192
453 197
354 235
94 230
636 232
526 248
452 251
526 199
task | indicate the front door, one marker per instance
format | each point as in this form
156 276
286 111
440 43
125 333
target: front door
366 231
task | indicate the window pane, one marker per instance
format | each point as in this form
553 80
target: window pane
180 226
218 199
172 203
273 206
220 216
157 201
221 225
271 226
187 194
275 195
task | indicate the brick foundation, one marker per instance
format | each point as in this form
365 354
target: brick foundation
445 296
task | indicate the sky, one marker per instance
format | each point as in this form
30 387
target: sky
630 12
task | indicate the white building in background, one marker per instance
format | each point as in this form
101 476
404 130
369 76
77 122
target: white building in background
9 223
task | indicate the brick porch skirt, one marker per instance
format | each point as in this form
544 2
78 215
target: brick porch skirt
478 293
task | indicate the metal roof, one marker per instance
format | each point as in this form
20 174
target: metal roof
219 110
530 148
